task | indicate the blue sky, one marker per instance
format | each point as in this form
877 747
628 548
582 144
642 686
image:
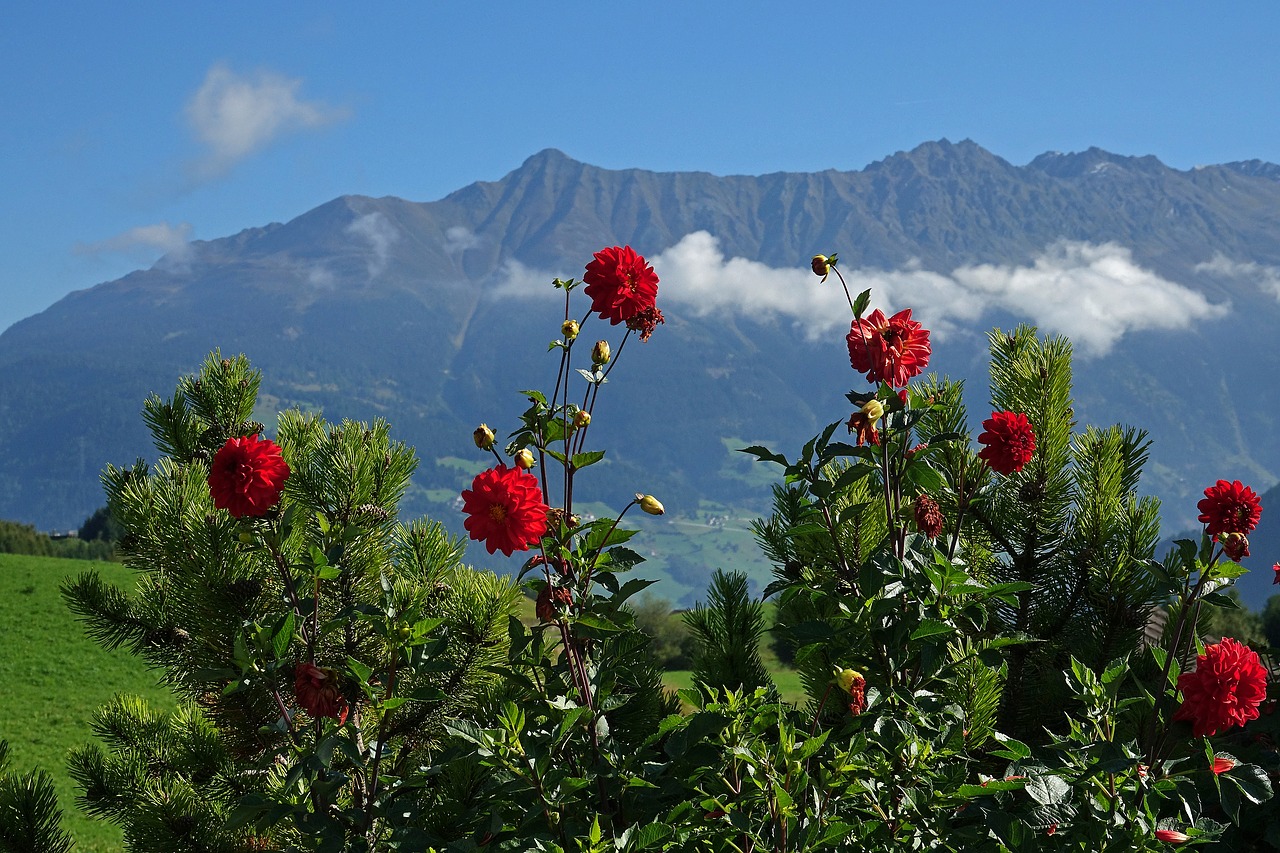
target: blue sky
126 129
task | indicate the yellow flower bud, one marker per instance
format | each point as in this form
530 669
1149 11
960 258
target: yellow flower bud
483 437
569 329
524 458
847 679
821 266
873 409
650 504
245 536
600 353
581 418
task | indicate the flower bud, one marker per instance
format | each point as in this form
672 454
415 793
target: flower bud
600 353
1172 836
650 504
1234 545
847 679
569 329
821 266
1221 764
873 409
581 418
483 437
524 458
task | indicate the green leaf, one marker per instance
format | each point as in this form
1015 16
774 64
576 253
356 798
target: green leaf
650 834
359 670
280 641
931 628
582 460
860 304
764 454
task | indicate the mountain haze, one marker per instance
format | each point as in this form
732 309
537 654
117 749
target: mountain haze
433 315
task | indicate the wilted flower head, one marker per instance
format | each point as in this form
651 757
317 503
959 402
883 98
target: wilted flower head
646 321
247 476
929 517
569 328
581 418
551 600
318 692
863 422
855 685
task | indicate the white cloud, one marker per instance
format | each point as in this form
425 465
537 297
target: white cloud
459 238
515 279
172 241
235 115
1267 278
1093 294
379 233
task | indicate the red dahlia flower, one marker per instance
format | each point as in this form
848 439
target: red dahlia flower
1229 508
929 517
1276 569
888 350
621 284
247 476
318 692
1009 442
505 509
1225 689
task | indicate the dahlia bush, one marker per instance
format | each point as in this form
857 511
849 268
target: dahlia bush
993 657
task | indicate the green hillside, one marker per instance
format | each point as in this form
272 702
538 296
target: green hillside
54 678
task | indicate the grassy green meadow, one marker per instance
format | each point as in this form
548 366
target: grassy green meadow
54 678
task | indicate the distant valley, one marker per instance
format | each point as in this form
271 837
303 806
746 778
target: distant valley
434 315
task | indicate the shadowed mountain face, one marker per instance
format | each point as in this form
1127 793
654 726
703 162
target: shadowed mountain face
428 314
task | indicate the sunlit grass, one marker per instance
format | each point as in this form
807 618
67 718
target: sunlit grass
54 678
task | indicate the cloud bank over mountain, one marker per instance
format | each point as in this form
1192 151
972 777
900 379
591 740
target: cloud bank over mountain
1093 293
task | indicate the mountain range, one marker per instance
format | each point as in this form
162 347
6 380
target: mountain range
434 315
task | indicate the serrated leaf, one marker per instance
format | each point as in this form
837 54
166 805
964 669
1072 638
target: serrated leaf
860 304
582 460
931 628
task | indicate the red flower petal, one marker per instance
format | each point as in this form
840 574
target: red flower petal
1229 508
889 350
1226 688
1009 442
621 285
505 510
247 476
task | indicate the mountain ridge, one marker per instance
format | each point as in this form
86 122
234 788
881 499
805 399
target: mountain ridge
381 307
